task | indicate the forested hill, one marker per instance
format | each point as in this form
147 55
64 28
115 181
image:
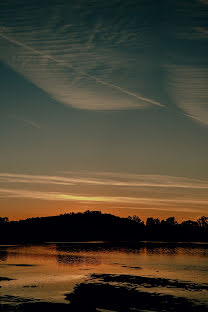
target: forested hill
93 225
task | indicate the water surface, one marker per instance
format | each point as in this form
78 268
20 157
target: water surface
49 271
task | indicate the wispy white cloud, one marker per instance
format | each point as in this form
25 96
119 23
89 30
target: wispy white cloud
186 64
188 87
139 180
107 179
34 179
107 64
77 64
93 188
58 196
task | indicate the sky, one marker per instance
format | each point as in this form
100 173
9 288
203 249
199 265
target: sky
104 106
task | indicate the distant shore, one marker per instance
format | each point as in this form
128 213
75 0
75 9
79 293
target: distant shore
95 226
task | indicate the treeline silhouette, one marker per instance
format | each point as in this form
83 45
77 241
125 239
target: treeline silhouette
95 226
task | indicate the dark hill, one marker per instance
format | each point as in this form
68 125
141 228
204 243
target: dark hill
93 225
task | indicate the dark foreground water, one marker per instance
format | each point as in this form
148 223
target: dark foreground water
100 276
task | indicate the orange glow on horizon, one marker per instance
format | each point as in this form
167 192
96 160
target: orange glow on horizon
27 208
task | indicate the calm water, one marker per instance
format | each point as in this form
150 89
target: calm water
49 271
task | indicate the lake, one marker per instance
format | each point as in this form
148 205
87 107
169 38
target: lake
152 276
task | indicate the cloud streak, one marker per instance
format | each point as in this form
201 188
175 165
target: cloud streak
133 191
107 179
58 196
186 67
188 87
75 71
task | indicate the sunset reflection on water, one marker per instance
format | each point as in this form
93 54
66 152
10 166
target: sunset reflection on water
49 271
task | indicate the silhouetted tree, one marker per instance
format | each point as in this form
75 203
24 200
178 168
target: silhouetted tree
171 221
189 224
135 219
4 220
93 225
203 222
151 221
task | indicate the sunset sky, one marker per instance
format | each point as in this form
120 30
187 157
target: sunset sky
104 106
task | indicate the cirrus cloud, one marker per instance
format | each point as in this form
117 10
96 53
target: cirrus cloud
107 179
79 63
